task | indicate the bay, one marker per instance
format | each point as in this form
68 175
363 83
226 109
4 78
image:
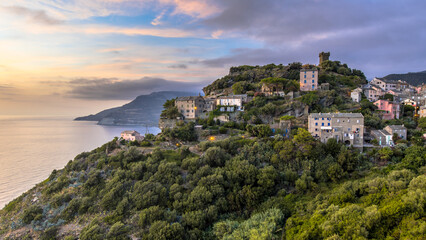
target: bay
31 147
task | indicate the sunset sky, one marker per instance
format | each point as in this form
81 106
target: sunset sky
81 56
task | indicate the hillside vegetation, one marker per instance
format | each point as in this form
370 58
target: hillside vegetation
248 78
413 78
237 188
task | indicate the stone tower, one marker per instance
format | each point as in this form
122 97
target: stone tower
323 56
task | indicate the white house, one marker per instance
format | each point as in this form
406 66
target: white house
356 95
230 103
131 136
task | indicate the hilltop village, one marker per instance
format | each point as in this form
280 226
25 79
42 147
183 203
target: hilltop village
329 99
270 152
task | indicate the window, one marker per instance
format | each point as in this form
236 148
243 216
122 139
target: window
338 120
313 86
316 129
328 124
316 124
316 118
322 124
313 75
357 121
313 81
305 76
322 119
349 129
305 81
349 120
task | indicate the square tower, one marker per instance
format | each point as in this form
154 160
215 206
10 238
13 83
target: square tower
324 56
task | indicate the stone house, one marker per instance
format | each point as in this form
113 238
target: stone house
390 109
308 79
344 127
383 137
400 130
131 136
191 107
270 89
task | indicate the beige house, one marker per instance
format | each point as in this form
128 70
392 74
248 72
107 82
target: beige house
191 107
308 79
384 84
131 136
422 111
344 127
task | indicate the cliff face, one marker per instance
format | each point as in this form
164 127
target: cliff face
144 110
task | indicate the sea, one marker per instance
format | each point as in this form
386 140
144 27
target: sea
31 147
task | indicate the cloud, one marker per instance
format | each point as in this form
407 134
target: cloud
38 16
115 89
179 66
157 20
194 8
112 50
377 37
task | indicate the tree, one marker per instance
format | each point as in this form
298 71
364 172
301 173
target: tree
118 231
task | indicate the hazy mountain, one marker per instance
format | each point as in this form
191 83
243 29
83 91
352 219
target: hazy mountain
413 78
144 110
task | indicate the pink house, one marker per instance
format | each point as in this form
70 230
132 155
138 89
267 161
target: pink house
131 136
390 109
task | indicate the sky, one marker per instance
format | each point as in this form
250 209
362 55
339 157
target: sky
75 57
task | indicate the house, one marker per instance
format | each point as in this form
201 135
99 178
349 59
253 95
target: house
324 87
399 130
390 109
373 92
344 127
271 89
131 136
191 107
422 111
383 137
409 102
356 95
384 84
308 79
210 104
230 103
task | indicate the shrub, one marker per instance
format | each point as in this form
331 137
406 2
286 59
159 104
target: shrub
32 213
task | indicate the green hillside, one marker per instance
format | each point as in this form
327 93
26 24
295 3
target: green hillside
237 188
413 78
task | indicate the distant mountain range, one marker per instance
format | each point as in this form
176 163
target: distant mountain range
144 110
413 78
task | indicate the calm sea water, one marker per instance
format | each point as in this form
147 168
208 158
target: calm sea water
31 147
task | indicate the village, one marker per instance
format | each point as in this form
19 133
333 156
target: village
389 97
